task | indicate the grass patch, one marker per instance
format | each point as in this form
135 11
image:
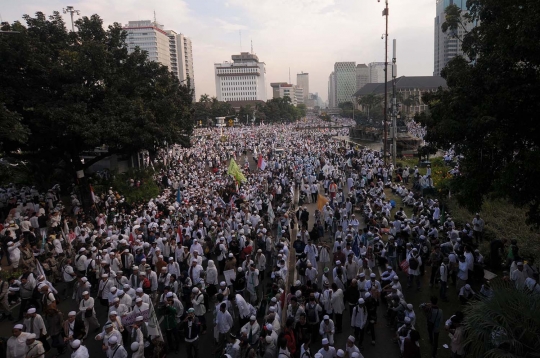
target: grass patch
147 189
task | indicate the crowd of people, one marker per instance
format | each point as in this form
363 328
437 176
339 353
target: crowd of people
212 255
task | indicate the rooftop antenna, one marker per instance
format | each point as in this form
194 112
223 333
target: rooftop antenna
252 47
240 34
155 21
289 75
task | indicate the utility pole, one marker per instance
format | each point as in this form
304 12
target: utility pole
72 11
385 144
394 106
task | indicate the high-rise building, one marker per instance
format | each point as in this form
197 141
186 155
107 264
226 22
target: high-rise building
149 36
345 77
362 75
332 90
299 94
376 72
284 89
447 45
302 80
164 46
243 79
181 57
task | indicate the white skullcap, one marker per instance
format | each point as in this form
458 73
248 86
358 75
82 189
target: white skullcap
18 326
72 313
75 344
113 340
325 341
135 346
340 353
31 310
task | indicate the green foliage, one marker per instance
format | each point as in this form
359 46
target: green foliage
147 190
506 325
489 113
504 221
455 20
372 105
74 91
208 108
278 110
346 109
301 109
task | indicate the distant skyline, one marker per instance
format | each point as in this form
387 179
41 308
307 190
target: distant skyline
303 35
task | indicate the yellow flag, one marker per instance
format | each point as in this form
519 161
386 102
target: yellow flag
235 172
321 202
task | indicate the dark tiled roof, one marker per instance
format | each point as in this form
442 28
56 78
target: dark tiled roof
404 83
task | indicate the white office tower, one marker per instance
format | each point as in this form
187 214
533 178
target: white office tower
243 79
167 47
345 74
302 80
332 90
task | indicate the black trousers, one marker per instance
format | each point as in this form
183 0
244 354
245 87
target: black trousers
192 349
173 338
433 339
339 322
359 335
25 303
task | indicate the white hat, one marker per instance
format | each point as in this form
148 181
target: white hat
407 320
372 275
138 299
351 338
252 318
269 339
361 301
325 341
31 336
113 289
340 353
75 344
31 310
223 283
338 262
269 327
410 306
139 319
135 346
113 340
169 294
72 313
272 309
362 275
139 290
367 295
113 313
18 326
85 293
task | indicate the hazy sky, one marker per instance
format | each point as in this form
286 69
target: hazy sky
303 35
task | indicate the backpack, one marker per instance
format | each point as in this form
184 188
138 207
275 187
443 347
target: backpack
146 283
413 263
302 268
311 313
217 250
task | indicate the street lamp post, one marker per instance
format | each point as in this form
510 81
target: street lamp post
385 144
72 11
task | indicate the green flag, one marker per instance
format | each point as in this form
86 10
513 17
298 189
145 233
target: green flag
235 172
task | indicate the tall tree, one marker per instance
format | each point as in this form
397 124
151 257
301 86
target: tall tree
489 113
76 91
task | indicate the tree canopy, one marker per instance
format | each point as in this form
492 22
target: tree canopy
66 92
489 113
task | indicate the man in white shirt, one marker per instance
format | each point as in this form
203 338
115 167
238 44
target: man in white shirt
224 323
327 351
